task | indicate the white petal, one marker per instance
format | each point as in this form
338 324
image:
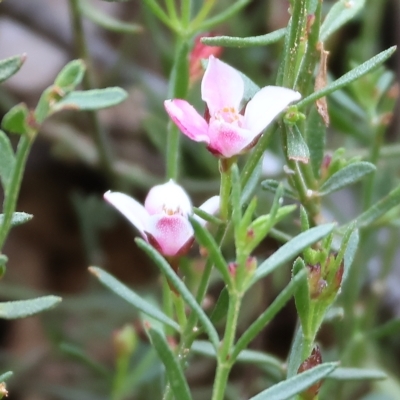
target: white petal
210 206
130 208
168 197
266 105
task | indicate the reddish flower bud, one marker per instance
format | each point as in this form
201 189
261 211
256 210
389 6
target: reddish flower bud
312 361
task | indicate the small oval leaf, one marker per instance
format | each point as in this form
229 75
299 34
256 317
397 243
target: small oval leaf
348 175
10 66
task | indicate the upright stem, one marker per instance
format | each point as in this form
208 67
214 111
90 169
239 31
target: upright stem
226 185
99 135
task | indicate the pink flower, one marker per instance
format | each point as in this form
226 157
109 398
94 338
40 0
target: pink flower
163 221
225 129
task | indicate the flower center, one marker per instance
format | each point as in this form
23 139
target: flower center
229 115
170 210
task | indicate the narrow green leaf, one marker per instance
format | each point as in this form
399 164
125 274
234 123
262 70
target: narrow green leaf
7 375
251 184
295 355
106 21
15 120
378 209
356 374
302 295
7 161
260 323
348 175
271 185
179 78
297 148
9 66
206 240
349 77
291 249
316 138
339 14
95 99
350 253
286 389
230 41
221 307
182 289
387 329
71 75
207 217
26 308
205 348
173 369
131 297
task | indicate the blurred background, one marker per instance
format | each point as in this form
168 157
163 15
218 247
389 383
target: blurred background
66 353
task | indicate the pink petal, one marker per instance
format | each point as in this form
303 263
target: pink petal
210 206
170 232
188 120
130 208
168 197
228 139
222 86
266 105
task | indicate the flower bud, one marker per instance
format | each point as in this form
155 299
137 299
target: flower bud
312 361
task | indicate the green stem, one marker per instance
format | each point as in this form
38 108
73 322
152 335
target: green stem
173 15
204 11
180 310
226 186
11 196
161 15
167 302
99 135
224 363
186 8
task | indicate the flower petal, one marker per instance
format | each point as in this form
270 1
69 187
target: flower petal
168 198
266 105
228 139
171 232
210 206
130 208
222 86
187 119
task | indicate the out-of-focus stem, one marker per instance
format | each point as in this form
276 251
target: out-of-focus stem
99 135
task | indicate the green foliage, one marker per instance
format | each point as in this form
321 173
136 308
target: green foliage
10 66
26 308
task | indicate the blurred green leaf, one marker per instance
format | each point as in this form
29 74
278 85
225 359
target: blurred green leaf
163 265
95 99
286 389
173 369
15 120
71 75
106 21
349 77
291 249
6 376
302 295
206 240
221 307
251 184
271 185
297 148
350 253
9 66
389 328
7 161
339 14
356 374
230 41
26 308
348 175
131 297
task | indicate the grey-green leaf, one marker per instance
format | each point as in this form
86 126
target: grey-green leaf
26 308
6 376
271 185
18 218
173 369
339 14
356 374
349 77
131 297
291 249
9 66
15 120
95 99
230 41
7 160
286 389
106 21
316 138
348 175
297 148
71 75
